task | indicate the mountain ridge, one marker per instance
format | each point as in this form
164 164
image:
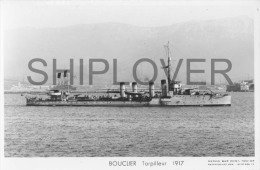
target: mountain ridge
230 38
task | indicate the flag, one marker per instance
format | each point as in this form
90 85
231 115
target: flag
165 46
65 73
59 74
166 67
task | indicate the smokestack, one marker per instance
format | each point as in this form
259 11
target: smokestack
122 89
134 87
164 88
151 89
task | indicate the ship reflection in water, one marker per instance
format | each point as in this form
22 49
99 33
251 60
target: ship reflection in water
129 131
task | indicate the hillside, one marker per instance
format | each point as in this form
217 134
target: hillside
230 38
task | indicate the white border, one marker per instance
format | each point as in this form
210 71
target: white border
257 82
1 90
102 163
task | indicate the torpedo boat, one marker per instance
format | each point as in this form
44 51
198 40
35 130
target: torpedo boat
170 94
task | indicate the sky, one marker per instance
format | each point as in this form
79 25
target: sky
42 14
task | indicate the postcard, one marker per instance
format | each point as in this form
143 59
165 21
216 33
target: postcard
166 85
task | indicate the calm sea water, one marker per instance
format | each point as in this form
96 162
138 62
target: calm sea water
113 131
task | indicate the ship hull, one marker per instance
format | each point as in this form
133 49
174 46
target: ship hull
177 100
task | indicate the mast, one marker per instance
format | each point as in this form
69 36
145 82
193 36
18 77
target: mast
167 47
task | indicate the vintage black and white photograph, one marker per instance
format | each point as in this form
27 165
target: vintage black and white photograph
129 79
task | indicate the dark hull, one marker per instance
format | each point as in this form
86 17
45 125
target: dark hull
178 100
